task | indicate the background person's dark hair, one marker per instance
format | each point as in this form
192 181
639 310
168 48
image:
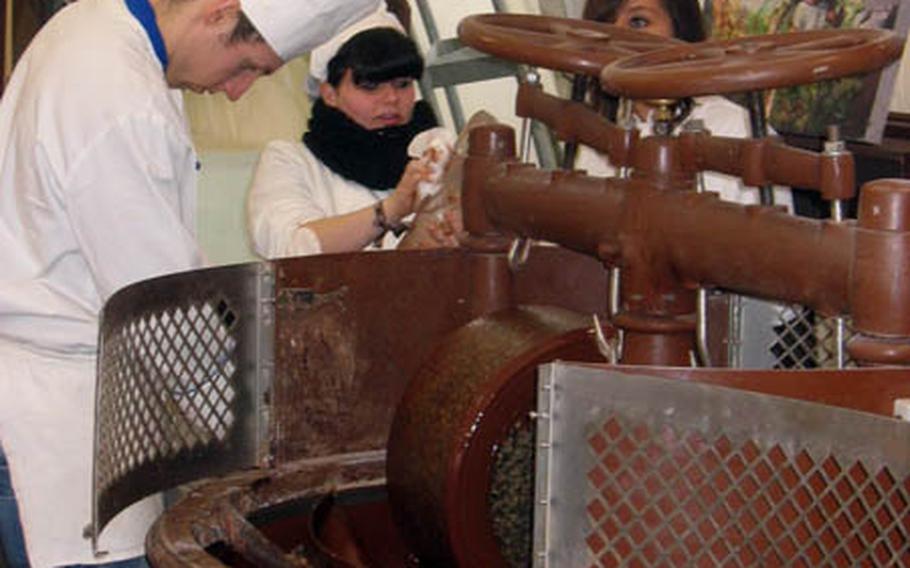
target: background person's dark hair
686 15
375 56
688 25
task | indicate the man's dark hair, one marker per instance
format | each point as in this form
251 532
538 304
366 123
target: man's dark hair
244 31
376 55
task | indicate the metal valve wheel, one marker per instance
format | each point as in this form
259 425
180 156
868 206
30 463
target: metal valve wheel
751 63
635 64
575 46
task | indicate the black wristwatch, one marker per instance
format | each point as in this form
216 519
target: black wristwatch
380 221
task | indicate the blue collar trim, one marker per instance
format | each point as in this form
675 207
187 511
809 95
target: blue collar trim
142 11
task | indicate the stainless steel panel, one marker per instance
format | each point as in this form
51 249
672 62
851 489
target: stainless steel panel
781 336
638 470
182 383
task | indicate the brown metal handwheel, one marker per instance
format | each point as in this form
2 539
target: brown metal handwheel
751 63
576 46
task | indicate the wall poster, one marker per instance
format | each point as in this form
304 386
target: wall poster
859 105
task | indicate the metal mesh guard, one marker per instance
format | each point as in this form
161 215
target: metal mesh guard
179 379
771 335
643 471
802 339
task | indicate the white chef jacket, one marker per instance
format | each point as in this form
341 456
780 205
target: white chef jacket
721 117
97 190
291 187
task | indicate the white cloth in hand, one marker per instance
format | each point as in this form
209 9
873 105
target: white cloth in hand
435 146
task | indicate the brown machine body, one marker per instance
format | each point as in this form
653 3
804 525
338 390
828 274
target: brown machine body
345 348
664 256
345 354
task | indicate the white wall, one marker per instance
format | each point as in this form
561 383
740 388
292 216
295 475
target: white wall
221 226
900 100
495 96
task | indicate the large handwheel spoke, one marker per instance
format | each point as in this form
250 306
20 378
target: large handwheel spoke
751 63
563 44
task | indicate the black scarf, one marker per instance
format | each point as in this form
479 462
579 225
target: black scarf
374 158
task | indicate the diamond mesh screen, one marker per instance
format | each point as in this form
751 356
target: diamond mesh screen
178 378
170 378
805 340
679 498
680 474
779 336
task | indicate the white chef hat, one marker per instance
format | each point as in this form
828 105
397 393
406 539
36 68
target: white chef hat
320 57
294 27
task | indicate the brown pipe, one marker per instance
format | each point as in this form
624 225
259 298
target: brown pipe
882 274
758 162
761 252
492 284
837 176
488 147
664 254
765 161
576 122
661 162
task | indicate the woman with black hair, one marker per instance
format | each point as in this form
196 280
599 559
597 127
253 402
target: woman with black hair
350 184
680 19
669 18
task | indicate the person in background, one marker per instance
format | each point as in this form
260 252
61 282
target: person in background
97 191
350 184
681 19
877 14
809 15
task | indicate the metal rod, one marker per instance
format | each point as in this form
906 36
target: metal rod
834 145
734 332
454 101
531 77
579 89
701 328
613 298
7 41
759 124
613 306
701 313
524 140
757 119
759 129
841 338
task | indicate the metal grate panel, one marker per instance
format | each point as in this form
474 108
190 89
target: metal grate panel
180 382
642 471
806 340
770 335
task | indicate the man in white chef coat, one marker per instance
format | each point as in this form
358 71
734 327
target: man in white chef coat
98 190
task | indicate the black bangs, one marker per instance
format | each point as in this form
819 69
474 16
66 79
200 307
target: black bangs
404 65
375 56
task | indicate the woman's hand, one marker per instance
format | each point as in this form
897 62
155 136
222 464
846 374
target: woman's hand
438 221
357 229
446 230
403 201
